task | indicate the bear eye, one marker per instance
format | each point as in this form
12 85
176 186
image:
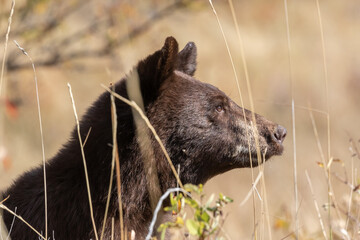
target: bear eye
219 108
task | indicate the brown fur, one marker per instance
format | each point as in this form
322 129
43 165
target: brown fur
203 130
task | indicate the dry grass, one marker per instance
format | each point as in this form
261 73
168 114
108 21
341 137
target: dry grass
143 116
84 162
41 134
268 53
2 206
3 94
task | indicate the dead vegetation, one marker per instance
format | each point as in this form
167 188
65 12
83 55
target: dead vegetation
296 53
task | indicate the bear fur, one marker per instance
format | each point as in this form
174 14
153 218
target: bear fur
202 129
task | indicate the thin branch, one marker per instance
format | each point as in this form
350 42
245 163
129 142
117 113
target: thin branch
11 226
58 56
19 217
158 207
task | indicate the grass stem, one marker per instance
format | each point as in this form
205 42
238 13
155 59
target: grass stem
143 116
293 121
41 135
84 162
316 205
2 206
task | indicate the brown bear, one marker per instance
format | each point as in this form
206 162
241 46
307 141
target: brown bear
202 129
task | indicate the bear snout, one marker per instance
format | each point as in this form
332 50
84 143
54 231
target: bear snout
279 134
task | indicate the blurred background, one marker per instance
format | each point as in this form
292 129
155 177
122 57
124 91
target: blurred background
89 42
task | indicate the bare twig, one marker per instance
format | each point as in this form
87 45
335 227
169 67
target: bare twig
58 56
12 225
2 206
84 162
158 207
41 135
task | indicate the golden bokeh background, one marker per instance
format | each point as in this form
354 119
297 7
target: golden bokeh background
262 25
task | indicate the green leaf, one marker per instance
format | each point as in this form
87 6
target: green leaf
201 189
205 217
163 234
172 199
225 198
202 216
212 209
192 188
192 203
193 227
201 228
168 209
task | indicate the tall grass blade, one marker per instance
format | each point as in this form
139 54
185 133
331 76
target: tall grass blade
84 162
293 121
41 135
316 205
240 95
327 107
2 206
143 116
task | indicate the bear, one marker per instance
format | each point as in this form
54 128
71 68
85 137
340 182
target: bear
202 129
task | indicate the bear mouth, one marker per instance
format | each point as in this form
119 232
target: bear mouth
266 153
243 158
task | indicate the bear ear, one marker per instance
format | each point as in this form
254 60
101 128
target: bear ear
156 68
186 60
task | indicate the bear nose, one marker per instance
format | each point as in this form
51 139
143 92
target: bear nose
280 134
